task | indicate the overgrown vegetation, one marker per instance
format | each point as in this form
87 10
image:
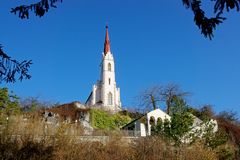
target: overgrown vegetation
101 119
62 145
9 105
31 137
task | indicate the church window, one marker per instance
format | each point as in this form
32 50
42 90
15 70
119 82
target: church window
109 67
110 98
109 81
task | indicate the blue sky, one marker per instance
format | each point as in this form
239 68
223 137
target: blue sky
153 43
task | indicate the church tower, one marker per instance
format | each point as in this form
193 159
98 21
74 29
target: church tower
105 92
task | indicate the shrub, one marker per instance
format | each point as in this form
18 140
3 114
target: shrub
103 120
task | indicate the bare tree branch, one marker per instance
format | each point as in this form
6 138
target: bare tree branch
169 92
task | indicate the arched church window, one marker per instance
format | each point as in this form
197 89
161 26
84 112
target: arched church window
109 67
109 81
110 98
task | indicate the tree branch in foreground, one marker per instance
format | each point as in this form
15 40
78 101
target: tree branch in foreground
10 68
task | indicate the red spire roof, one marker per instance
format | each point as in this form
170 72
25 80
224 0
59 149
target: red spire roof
107 42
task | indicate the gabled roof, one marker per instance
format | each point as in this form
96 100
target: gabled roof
67 110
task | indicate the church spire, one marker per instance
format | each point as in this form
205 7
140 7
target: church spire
107 42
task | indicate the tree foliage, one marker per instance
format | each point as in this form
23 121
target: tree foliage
180 124
11 69
208 25
204 113
228 122
39 8
133 114
103 120
9 104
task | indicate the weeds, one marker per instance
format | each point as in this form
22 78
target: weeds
36 140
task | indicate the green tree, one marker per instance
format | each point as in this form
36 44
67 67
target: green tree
9 104
180 125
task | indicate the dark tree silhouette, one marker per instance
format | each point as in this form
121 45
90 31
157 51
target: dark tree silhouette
205 24
208 25
39 8
10 69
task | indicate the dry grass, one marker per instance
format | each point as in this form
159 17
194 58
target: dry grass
20 140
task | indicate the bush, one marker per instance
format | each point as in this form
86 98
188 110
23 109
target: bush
103 120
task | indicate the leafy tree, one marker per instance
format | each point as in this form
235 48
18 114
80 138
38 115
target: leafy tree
180 125
9 104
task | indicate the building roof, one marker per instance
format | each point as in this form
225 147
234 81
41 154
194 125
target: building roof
69 109
107 42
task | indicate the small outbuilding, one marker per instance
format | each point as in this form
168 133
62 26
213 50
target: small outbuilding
142 126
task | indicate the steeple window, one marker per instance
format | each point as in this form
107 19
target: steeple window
110 98
109 67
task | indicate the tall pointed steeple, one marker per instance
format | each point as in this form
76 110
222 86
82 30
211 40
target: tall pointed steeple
105 92
107 42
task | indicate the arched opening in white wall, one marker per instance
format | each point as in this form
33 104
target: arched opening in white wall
109 67
109 81
110 98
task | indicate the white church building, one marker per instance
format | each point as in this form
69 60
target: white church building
105 93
